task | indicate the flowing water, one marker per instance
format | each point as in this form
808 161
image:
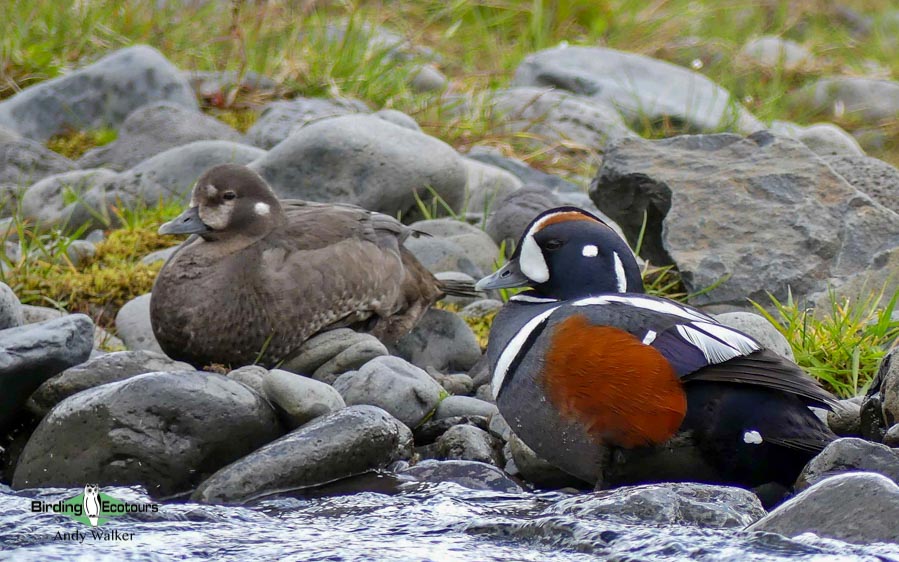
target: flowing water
412 522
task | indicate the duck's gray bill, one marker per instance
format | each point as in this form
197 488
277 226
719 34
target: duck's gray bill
187 222
507 276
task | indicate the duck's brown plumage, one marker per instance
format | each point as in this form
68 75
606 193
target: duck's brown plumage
257 287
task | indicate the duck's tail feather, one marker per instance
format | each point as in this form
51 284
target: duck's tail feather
457 288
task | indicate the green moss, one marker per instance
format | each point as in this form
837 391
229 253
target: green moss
74 144
240 119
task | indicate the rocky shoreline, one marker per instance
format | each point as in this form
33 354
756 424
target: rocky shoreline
773 211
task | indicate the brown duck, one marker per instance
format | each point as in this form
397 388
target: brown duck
259 276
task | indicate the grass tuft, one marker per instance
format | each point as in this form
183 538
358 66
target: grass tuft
74 144
840 344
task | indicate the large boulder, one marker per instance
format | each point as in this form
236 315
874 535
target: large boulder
165 431
341 444
365 160
155 128
763 211
869 175
856 507
867 100
557 117
100 95
104 369
441 340
641 88
850 455
282 118
33 353
25 162
674 503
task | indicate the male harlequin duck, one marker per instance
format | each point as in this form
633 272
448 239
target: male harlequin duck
587 369
260 276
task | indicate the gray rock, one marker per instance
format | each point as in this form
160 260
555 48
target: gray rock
31 354
776 53
442 254
871 176
428 79
536 470
208 84
100 95
499 427
857 508
328 355
342 444
476 244
165 431
486 185
775 214
485 393
155 128
841 97
886 386
80 252
850 455
300 398
455 384
824 139
481 309
251 375
281 119
468 443
464 406
441 340
845 419
641 88
70 200
104 369
364 160
556 117
469 474
159 255
34 314
674 503
176 169
403 390
132 324
758 327
11 315
891 439
24 162
431 430
520 170
398 118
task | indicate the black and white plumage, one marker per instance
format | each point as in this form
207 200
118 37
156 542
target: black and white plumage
576 372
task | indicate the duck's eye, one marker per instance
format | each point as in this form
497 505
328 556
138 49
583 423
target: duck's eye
229 195
553 244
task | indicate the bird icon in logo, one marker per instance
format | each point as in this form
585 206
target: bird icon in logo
92 503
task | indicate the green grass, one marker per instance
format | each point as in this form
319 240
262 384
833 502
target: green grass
841 344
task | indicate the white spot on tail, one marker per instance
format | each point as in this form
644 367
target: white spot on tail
262 209
619 273
589 251
752 438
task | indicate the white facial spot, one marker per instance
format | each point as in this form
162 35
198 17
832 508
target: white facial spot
531 261
619 273
589 251
218 217
262 209
752 438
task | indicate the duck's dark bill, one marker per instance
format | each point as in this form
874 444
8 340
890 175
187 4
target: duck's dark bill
187 222
506 277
